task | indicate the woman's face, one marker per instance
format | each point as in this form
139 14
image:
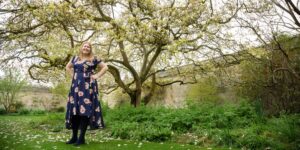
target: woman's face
86 48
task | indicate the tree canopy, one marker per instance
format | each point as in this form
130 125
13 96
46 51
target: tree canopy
141 37
137 38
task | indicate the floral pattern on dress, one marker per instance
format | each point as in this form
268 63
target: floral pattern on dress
83 95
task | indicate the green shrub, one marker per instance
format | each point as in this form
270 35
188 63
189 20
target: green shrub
287 127
23 111
38 112
123 129
58 109
18 105
151 132
234 125
180 120
224 137
135 131
2 111
253 141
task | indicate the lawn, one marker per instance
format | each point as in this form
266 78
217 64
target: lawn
44 132
202 127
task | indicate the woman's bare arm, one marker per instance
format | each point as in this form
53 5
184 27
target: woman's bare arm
103 68
69 68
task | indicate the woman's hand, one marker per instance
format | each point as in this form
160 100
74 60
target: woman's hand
94 77
70 72
103 68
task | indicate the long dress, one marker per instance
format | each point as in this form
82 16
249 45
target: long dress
83 95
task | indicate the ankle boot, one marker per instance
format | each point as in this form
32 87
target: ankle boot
72 140
83 127
80 141
75 126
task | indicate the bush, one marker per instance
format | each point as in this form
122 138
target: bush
10 86
287 127
123 130
153 133
23 111
2 111
253 141
208 124
58 109
135 131
38 112
277 90
18 105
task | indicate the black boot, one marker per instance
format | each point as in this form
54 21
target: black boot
72 140
75 125
83 126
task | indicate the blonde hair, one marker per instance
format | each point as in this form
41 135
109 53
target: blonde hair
90 55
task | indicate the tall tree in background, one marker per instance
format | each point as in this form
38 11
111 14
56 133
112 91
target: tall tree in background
274 25
291 8
137 37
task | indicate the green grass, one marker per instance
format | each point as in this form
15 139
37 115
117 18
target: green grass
42 132
197 127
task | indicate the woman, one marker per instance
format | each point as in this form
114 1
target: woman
83 107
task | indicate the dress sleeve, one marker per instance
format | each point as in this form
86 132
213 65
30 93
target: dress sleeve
97 60
73 59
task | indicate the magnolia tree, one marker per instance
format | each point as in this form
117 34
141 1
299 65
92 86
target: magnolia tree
137 38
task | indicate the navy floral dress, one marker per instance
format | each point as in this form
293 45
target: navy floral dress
83 95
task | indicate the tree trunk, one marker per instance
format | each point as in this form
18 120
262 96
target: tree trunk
135 99
148 97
